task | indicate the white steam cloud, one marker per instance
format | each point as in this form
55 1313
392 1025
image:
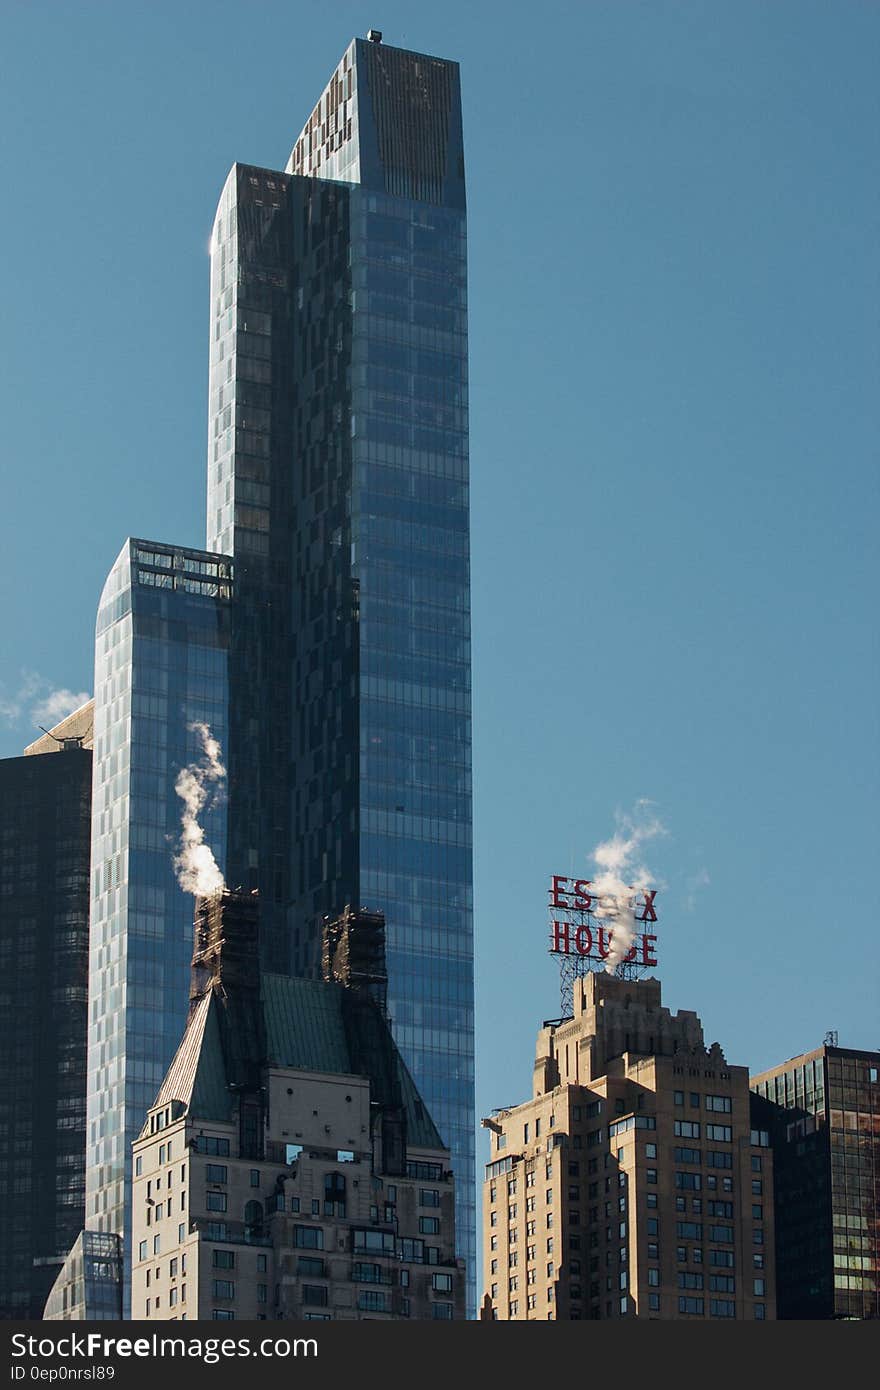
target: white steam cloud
196 868
621 876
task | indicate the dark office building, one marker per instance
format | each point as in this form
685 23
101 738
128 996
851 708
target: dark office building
822 1110
338 481
45 802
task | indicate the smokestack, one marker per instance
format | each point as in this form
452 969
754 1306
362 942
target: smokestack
226 962
353 953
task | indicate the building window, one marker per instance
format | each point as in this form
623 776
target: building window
654 1302
142 1250
223 1315
653 1276
441 1312
678 1097
722 1308
316 1295
224 1259
312 1237
223 1288
255 1177
760 1311
691 1181
215 1201
694 1306
720 1104
688 1129
208 1144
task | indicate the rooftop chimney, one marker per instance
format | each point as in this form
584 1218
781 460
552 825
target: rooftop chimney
353 953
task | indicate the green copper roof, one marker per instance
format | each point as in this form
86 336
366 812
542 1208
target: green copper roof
210 1095
304 1027
309 1026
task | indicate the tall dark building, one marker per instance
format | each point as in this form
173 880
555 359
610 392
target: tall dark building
822 1111
338 482
45 804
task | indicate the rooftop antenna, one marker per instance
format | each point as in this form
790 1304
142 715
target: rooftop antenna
67 744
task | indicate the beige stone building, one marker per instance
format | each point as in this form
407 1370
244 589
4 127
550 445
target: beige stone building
631 1184
288 1168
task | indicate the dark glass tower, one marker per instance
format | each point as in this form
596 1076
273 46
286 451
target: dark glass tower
338 481
44 943
822 1111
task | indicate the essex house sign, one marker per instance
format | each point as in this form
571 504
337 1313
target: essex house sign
582 922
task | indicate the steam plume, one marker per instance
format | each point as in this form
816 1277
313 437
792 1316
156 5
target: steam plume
195 865
620 876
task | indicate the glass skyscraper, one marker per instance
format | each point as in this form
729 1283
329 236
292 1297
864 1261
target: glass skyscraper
338 481
44 945
161 650
822 1110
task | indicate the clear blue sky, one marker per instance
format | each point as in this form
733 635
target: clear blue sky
674 315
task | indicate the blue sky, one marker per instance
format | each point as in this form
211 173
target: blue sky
673 296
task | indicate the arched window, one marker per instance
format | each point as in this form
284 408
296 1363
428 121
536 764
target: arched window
253 1219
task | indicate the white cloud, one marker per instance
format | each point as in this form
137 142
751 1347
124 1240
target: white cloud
57 706
38 700
693 884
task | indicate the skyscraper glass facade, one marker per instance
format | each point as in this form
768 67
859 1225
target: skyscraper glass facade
161 651
44 935
822 1110
338 479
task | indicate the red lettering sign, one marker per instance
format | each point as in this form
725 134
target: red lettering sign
575 899
649 915
560 938
583 941
558 896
